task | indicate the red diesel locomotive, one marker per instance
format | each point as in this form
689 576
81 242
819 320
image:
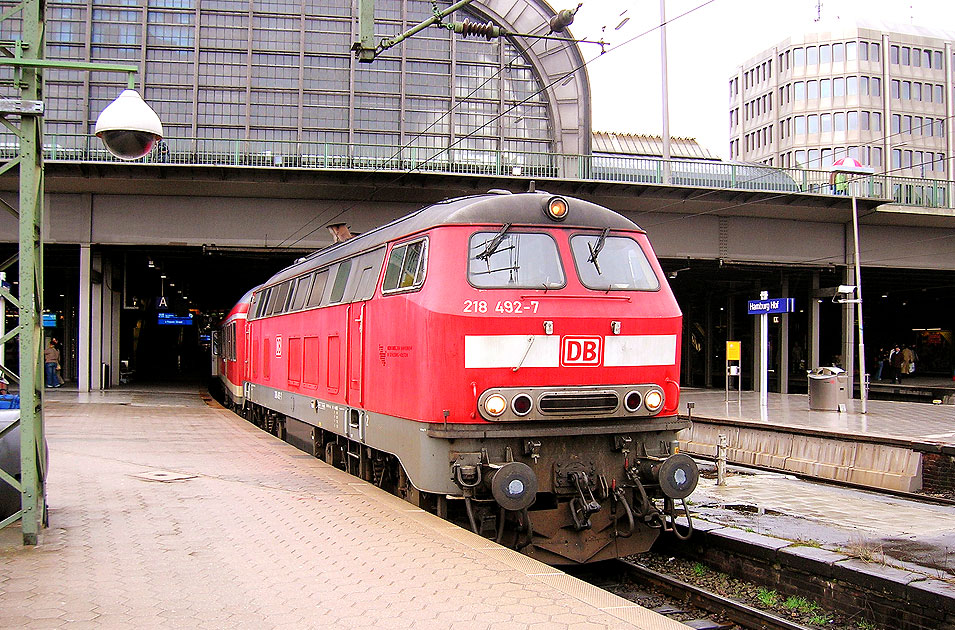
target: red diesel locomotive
509 361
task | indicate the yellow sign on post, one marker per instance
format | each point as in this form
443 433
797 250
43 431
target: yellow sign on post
733 350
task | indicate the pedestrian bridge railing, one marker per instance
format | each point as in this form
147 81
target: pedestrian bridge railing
709 174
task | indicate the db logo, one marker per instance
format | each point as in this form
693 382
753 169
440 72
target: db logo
581 351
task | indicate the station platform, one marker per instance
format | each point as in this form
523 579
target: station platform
901 446
167 511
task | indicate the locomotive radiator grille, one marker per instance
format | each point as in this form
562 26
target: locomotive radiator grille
578 402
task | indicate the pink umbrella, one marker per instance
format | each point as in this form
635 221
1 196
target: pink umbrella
850 165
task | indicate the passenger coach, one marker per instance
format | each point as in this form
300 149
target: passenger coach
510 361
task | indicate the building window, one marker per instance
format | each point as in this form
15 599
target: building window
916 57
851 52
839 121
812 89
939 94
896 123
877 121
863 51
906 90
825 88
839 52
875 85
893 54
800 124
825 123
799 91
906 124
917 126
852 120
812 56
896 158
895 88
875 156
839 86
799 57
812 123
938 60
852 85
825 54
916 91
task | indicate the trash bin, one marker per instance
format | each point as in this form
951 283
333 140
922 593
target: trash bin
10 463
828 389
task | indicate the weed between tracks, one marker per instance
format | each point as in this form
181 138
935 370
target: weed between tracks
795 608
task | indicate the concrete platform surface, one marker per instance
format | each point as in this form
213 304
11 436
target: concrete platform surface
906 421
168 513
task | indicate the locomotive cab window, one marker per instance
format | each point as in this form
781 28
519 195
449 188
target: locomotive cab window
606 263
508 260
406 267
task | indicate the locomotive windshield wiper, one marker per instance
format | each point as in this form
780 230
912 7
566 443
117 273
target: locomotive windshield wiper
595 249
494 243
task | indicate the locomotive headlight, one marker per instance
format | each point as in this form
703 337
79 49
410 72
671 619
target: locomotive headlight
495 404
653 400
557 208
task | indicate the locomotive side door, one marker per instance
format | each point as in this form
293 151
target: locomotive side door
356 347
247 355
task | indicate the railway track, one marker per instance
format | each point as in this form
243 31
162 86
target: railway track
744 616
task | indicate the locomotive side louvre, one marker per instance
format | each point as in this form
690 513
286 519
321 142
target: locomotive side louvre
497 359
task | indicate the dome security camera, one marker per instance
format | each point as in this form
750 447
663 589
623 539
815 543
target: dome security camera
128 126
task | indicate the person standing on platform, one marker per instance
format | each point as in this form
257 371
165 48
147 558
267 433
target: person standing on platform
908 361
895 364
51 359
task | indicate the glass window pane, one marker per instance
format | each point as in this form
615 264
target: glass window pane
620 264
513 260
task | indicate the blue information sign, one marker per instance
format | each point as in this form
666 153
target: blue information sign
171 319
766 307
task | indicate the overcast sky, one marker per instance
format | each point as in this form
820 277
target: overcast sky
705 47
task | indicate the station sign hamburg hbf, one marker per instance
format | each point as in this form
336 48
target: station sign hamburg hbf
766 307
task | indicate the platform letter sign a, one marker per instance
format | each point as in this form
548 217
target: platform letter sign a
161 303
576 351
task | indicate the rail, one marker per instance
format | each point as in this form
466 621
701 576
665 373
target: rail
907 191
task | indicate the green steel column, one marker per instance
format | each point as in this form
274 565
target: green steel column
31 281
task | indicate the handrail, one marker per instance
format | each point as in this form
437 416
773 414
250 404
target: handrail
910 191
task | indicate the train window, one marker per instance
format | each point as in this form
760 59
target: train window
302 285
341 281
367 279
279 298
318 288
259 302
406 267
612 263
504 260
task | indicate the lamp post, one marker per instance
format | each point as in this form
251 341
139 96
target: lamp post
129 133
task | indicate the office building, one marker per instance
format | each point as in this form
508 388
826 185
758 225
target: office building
879 94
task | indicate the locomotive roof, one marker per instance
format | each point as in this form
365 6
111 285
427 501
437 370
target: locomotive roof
493 208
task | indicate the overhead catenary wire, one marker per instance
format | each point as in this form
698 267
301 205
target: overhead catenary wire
494 119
